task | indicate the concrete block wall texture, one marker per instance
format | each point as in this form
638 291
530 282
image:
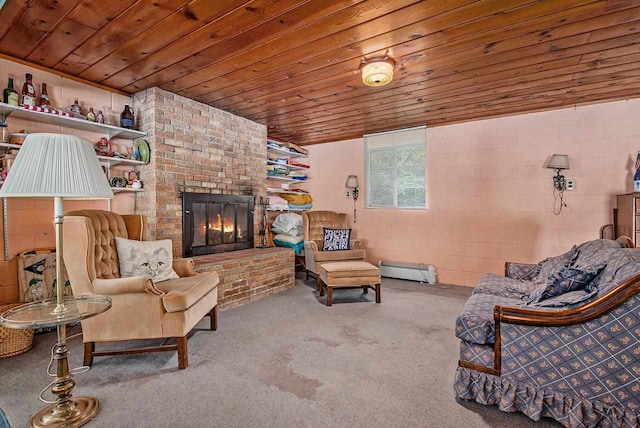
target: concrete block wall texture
30 221
489 193
195 148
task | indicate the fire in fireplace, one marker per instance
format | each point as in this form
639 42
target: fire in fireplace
216 223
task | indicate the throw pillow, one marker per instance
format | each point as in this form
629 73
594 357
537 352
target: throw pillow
153 258
336 239
552 264
564 280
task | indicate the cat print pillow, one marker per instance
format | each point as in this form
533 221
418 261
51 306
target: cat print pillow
153 258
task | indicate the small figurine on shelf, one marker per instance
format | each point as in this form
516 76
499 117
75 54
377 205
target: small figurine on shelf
91 116
137 184
100 117
103 147
131 176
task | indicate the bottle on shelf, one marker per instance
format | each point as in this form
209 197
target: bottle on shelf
91 116
126 117
4 135
100 117
28 92
44 97
10 95
75 108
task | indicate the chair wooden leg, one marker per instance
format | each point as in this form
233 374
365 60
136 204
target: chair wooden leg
365 289
307 275
183 356
329 296
378 287
214 318
319 284
89 347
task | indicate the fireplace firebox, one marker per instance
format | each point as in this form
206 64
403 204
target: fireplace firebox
216 223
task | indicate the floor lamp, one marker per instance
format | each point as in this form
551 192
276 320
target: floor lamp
59 167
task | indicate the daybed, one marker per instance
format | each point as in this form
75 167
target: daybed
574 358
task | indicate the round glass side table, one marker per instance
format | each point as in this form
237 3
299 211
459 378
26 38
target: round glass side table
67 411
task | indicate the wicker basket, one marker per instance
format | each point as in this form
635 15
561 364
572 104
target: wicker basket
14 342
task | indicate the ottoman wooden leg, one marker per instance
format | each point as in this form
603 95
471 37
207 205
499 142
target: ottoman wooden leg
320 287
329 296
365 289
378 293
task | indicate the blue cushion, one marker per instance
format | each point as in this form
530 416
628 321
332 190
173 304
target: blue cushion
564 280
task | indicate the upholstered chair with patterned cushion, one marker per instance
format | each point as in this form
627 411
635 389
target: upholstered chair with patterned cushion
142 308
315 224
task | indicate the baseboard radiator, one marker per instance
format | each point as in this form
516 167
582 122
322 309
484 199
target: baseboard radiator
411 271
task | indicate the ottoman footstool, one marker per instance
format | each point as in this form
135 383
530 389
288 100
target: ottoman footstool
352 274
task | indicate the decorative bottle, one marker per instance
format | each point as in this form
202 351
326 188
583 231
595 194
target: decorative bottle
636 181
91 116
75 108
10 95
44 97
100 117
28 92
126 117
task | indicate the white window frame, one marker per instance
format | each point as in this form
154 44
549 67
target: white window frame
393 146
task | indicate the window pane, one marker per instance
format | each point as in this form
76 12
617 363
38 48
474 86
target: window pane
396 169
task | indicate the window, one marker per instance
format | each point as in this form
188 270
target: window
395 169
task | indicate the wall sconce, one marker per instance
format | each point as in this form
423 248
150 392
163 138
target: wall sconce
352 183
558 162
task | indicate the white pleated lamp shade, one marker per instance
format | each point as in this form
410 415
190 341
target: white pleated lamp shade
56 165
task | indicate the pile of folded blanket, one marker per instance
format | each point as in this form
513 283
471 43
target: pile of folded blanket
287 230
301 201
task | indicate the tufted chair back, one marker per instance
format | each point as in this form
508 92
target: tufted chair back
93 233
314 221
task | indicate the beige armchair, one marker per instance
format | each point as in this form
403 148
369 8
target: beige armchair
313 223
140 309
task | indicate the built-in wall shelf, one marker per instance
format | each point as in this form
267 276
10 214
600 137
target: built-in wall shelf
111 161
287 192
125 189
285 152
290 167
109 131
287 209
282 178
108 160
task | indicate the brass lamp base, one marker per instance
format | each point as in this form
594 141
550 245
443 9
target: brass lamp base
80 411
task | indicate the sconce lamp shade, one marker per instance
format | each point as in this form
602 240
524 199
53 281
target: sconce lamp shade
558 162
352 182
377 71
56 165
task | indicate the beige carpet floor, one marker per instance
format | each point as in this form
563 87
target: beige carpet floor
284 361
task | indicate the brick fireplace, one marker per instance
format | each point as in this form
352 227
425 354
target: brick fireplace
199 149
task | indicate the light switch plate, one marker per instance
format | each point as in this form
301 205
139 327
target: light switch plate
571 185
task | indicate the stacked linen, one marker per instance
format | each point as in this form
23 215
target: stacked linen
288 232
302 201
276 203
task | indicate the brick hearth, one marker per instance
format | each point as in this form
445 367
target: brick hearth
247 275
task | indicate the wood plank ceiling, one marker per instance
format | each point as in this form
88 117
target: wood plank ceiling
292 65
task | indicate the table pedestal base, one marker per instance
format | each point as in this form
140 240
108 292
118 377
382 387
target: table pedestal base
80 411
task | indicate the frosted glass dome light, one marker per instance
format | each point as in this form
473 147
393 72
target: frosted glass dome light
377 71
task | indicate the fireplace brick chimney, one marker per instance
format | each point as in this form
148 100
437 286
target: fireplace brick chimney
195 148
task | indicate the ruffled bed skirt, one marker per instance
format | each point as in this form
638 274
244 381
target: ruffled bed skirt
513 396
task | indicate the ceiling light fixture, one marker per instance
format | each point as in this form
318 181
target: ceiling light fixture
377 71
